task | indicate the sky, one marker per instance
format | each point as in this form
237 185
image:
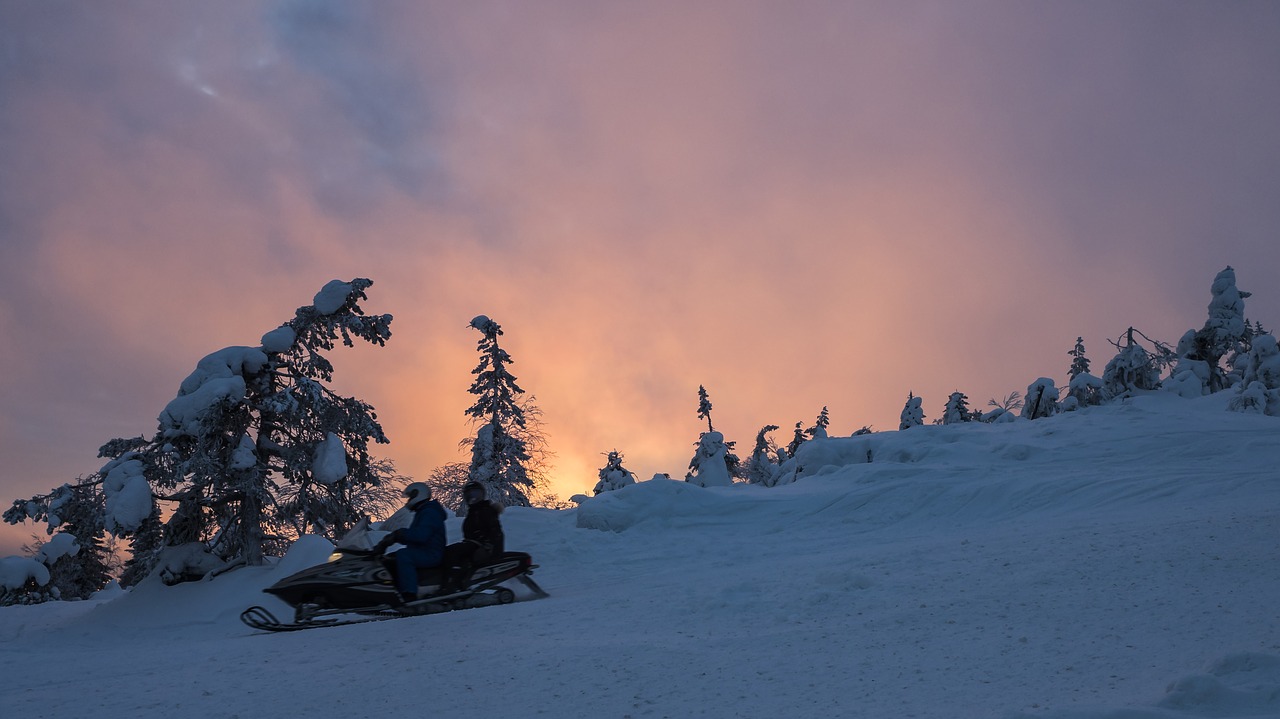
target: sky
823 204
971 570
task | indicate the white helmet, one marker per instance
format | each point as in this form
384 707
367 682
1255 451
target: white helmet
416 494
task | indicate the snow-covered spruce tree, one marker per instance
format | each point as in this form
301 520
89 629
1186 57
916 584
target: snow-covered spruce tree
704 407
912 413
498 452
448 484
710 448
255 449
1133 367
1259 388
762 466
1079 362
613 475
797 438
1200 353
1042 399
1238 360
819 428
957 409
1083 389
710 465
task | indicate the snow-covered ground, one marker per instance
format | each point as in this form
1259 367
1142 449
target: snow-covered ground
1121 562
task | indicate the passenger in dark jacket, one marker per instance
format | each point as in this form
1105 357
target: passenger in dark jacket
482 538
424 540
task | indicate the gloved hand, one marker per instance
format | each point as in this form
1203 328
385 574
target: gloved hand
382 545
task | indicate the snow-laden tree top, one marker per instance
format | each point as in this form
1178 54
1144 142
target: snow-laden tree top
332 297
487 327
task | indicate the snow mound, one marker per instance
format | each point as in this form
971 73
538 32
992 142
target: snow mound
660 502
211 606
17 571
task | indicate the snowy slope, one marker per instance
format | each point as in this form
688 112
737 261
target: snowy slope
1118 563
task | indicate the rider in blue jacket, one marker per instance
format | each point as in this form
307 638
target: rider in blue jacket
424 540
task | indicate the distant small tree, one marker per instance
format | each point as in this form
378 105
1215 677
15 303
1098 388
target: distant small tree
819 428
709 466
704 407
1042 399
1237 360
761 466
1134 367
706 447
1083 389
446 483
912 413
385 497
1011 402
1079 362
957 409
1259 388
1222 335
613 475
797 438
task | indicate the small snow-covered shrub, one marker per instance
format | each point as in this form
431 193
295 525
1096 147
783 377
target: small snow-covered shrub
1042 399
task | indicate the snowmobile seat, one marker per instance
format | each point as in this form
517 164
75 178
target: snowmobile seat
427 576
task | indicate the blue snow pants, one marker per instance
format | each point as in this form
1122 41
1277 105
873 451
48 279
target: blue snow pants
408 561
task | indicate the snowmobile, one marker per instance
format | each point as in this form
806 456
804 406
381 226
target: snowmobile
361 582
